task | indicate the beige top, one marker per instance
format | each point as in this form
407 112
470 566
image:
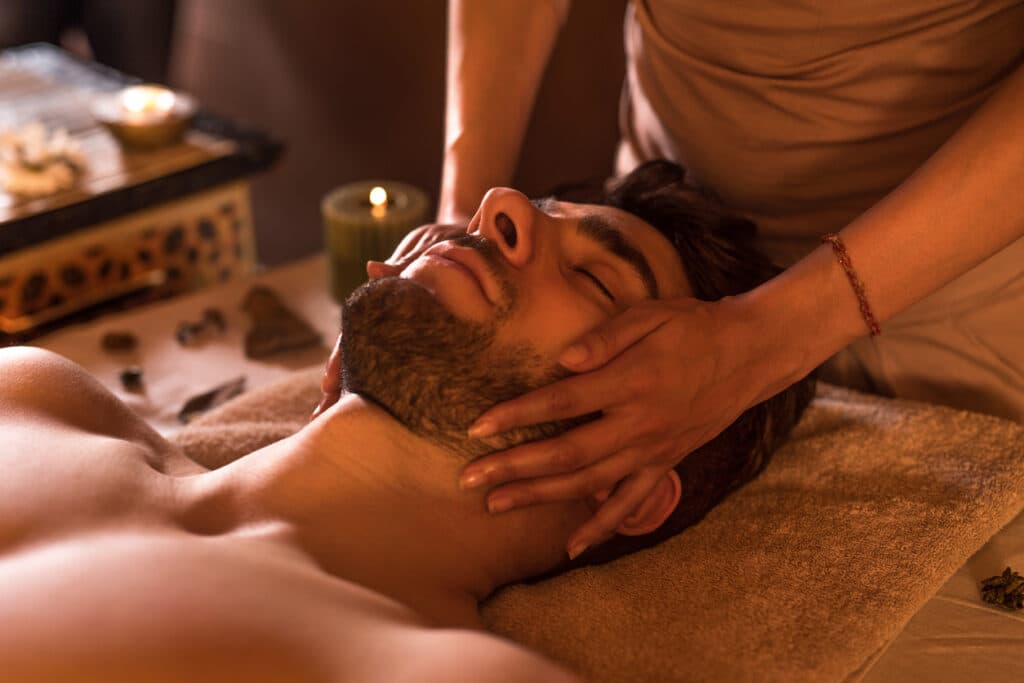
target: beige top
803 114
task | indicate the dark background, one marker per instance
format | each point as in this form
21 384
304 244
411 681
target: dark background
356 90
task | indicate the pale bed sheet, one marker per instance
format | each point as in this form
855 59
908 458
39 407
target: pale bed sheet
173 373
954 637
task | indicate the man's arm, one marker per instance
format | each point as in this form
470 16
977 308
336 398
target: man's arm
497 52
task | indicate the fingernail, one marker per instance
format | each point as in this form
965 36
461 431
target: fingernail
576 549
482 429
471 480
498 504
574 355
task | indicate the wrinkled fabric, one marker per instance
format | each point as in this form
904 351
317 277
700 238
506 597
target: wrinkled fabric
802 115
807 573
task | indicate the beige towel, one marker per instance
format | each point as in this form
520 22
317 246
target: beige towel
803 574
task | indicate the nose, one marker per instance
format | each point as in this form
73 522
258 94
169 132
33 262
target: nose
507 218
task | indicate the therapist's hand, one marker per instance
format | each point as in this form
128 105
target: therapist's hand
667 376
413 245
330 384
409 249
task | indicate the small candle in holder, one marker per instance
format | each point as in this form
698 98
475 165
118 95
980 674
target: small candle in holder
142 103
365 221
145 115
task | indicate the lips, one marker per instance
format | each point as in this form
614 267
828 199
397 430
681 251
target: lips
473 263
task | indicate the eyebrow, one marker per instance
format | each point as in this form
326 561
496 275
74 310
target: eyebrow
598 229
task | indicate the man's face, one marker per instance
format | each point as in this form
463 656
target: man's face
557 270
481 319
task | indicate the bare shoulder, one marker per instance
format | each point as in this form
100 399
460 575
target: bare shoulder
21 364
37 379
453 656
41 387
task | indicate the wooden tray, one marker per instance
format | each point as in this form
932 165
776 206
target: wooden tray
41 82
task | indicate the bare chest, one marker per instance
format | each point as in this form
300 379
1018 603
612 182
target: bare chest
60 481
127 604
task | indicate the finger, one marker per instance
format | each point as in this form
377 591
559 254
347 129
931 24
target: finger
326 401
331 380
574 486
627 497
378 269
577 448
402 261
419 240
567 398
597 347
429 237
408 245
451 231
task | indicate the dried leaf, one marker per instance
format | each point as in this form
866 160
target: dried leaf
197 405
1005 590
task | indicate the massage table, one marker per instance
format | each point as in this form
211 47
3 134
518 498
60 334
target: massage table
797 576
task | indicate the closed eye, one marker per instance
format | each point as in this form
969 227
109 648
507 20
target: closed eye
596 281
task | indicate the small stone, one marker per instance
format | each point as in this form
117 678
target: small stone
131 378
215 317
275 327
119 341
186 333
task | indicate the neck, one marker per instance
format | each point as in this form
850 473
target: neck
372 503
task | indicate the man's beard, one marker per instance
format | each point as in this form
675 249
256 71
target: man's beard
434 372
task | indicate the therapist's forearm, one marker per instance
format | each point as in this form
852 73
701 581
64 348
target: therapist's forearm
497 51
963 205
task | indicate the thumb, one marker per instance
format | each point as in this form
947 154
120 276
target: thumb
379 269
608 340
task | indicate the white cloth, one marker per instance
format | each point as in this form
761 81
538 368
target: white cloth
173 373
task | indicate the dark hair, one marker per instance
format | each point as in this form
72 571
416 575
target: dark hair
717 252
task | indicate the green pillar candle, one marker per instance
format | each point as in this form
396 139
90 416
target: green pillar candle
357 229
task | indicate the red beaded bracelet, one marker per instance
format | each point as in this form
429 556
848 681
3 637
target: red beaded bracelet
858 287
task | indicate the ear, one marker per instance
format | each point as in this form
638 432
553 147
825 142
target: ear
656 508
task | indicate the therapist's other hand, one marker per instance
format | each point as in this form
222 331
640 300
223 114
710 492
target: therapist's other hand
412 246
667 376
409 249
330 384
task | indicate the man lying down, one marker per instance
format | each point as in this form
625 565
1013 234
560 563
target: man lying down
348 552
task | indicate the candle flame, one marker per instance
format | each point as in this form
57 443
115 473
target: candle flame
378 196
165 101
147 98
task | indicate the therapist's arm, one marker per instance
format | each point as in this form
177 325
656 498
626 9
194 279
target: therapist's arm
962 205
497 53
959 208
